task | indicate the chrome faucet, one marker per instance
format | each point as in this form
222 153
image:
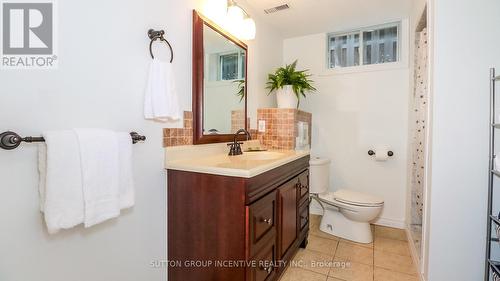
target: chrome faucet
235 146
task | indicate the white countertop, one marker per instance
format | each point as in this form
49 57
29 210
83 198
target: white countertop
213 159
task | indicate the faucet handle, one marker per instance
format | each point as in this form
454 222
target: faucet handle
233 148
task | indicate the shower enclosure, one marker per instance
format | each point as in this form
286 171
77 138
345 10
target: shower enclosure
419 145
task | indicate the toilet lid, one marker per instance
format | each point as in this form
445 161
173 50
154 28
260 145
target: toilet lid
357 198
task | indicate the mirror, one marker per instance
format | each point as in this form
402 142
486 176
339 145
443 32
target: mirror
219 83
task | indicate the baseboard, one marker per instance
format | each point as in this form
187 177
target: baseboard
315 209
413 253
390 223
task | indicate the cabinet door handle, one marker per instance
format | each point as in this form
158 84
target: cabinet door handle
268 221
267 269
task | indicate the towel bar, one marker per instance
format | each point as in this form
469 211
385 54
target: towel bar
10 140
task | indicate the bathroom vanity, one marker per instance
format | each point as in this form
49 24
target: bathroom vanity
236 217
231 218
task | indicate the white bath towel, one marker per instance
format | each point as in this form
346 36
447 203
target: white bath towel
126 181
61 196
161 101
85 177
99 156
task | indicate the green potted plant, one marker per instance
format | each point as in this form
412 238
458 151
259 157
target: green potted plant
290 85
241 88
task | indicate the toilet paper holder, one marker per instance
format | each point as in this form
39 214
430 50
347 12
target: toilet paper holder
389 153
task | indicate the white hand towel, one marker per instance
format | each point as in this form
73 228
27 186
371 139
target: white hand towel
161 101
99 156
42 173
61 197
126 184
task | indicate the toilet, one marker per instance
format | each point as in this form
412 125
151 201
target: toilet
347 214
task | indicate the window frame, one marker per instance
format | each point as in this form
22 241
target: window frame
399 27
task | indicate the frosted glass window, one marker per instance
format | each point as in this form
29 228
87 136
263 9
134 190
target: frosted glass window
344 50
374 45
229 66
380 45
232 66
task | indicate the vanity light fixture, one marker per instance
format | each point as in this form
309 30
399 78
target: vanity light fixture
216 10
239 21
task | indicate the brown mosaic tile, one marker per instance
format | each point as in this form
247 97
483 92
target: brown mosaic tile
281 127
238 120
180 136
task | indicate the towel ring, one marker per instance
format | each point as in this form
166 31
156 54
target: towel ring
154 35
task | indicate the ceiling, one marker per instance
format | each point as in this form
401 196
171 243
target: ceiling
319 16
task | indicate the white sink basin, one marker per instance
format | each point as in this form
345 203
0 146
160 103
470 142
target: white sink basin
261 155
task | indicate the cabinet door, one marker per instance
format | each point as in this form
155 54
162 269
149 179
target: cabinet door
287 206
261 222
262 265
304 184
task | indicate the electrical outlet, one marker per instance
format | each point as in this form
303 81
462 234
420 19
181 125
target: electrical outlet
262 126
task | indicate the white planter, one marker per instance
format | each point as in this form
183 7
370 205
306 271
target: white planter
286 98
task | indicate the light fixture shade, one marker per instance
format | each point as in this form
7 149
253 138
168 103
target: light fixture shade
216 10
235 14
249 29
234 20
231 17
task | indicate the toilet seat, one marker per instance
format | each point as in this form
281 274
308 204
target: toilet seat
352 198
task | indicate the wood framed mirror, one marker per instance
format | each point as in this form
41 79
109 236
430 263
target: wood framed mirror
219 83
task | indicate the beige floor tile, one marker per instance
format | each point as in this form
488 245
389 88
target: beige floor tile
324 245
387 275
366 245
390 233
354 253
299 274
314 220
393 246
333 279
351 271
403 264
313 261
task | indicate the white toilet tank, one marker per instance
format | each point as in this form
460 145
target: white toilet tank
319 175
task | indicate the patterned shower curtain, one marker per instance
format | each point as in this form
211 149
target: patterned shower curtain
419 140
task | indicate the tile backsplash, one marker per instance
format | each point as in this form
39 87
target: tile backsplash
180 136
281 127
280 131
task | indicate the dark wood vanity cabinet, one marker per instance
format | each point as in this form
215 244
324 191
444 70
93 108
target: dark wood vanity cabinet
223 228
287 210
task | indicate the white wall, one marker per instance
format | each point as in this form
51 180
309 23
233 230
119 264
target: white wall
100 81
459 152
264 56
354 112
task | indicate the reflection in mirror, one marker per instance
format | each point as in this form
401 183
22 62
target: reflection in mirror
224 84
